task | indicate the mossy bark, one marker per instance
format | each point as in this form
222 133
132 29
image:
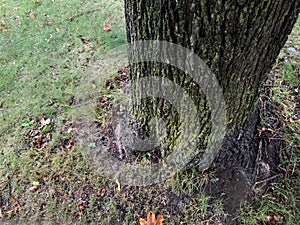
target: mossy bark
238 39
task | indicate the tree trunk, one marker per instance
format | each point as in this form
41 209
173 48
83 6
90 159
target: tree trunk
239 40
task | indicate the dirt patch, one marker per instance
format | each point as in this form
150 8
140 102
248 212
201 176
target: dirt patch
252 161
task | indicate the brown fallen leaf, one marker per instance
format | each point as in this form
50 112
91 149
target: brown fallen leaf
152 220
274 219
86 40
33 133
3 27
81 207
39 141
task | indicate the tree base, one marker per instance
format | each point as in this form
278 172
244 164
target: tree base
247 158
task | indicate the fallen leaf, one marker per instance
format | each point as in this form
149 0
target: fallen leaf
45 122
70 129
25 122
118 184
33 133
39 141
48 136
152 220
103 191
106 27
86 40
37 3
273 219
81 207
36 183
33 188
125 70
70 143
32 16
3 27
122 108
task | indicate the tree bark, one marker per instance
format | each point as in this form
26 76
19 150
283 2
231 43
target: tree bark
239 40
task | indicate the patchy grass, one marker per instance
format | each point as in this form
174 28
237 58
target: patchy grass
47 51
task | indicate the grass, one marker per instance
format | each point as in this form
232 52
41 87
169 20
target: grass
47 51
43 59
44 174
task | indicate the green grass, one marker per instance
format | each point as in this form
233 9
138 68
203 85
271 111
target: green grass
40 65
43 65
279 203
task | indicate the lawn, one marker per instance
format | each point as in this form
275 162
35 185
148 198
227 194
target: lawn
51 53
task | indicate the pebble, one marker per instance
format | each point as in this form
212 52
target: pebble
293 50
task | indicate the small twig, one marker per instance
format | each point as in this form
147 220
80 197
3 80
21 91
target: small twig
265 180
258 158
268 85
82 14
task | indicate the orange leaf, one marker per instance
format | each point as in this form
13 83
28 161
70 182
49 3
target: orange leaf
151 220
106 27
143 222
159 220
